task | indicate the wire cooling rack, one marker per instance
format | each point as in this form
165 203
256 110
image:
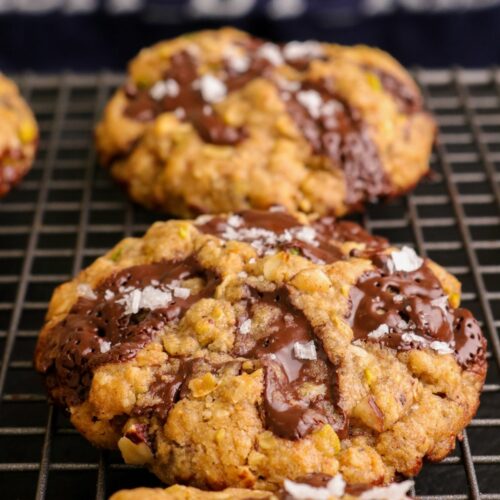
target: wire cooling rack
67 212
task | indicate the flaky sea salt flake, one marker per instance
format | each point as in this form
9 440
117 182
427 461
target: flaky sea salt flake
212 89
104 346
85 290
336 485
288 85
302 491
331 108
181 292
395 491
148 298
203 219
271 52
285 237
154 298
441 347
302 50
305 350
406 260
409 338
312 101
245 327
235 221
379 332
307 234
239 63
164 88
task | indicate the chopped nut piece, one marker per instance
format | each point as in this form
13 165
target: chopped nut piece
202 386
27 132
135 453
327 440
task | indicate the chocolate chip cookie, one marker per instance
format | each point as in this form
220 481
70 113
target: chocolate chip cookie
239 350
18 136
218 121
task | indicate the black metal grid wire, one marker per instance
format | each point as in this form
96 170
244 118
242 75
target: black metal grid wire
67 212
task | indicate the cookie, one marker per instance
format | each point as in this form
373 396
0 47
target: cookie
18 136
311 487
219 121
240 350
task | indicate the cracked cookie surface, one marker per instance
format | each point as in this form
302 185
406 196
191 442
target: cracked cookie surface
240 350
18 136
218 121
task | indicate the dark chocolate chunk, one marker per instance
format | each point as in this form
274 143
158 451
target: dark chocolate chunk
288 412
343 230
100 329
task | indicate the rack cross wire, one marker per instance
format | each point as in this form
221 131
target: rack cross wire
67 212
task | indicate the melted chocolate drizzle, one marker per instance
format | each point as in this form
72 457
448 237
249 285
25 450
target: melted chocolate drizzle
343 230
412 303
74 347
290 414
166 390
208 123
343 138
279 222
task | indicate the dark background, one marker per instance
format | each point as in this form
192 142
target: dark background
87 35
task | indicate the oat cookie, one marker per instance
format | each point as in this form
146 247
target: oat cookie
311 487
18 136
240 350
218 121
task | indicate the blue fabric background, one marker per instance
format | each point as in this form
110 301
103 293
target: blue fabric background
104 36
